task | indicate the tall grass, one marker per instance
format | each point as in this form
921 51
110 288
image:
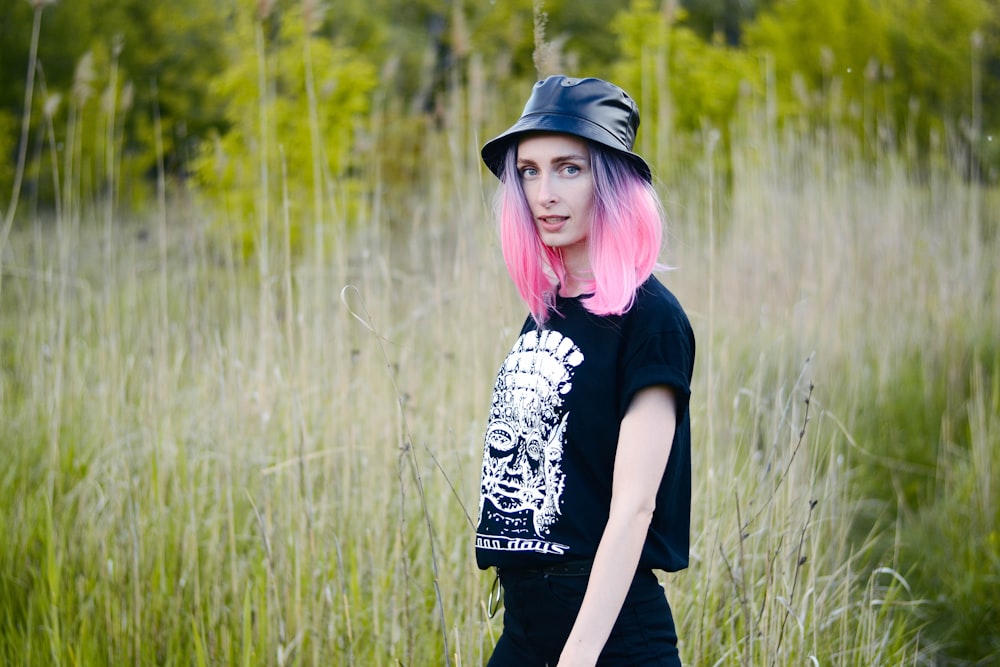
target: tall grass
277 462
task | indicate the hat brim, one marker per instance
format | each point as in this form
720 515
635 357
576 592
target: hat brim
495 150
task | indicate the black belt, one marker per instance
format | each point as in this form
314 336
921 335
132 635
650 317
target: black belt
569 568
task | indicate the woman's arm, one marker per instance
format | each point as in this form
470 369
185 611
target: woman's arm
644 440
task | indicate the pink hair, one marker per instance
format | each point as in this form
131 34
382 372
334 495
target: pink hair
624 239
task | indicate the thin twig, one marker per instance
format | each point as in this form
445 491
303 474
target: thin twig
788 465
454 491
407 450
22 149
800 560
744 602
272 578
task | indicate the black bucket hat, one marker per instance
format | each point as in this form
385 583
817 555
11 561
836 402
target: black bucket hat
588 108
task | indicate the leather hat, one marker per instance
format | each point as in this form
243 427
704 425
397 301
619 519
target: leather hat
588 108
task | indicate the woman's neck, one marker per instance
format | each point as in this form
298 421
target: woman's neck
579 278
574 285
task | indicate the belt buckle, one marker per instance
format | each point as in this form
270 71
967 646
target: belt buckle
496 595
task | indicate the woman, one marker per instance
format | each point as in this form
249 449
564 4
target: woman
586 480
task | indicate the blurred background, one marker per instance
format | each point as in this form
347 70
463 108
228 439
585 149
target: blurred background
893 75
252 304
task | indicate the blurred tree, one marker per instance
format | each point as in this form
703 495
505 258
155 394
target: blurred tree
887 66
940 51
423 44
162 55
171 51
723 18
291 101
8 152
822 47
683 84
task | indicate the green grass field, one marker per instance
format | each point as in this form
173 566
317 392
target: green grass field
216 462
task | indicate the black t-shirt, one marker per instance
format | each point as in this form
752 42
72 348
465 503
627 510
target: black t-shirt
558 402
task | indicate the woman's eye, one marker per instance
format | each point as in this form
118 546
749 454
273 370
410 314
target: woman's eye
528 172
571 170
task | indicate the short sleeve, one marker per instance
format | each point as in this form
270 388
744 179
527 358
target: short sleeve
665 358
659 348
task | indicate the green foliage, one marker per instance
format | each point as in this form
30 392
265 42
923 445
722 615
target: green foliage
15 39
423 48
8 147
723 19
86 122
690 84
292 103
142 59
707 81
902 422
842 43
170 52
892 71
903 418
884 67
927 433
966 518
932 50
939 48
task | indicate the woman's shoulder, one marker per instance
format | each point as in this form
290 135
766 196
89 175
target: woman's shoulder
655 303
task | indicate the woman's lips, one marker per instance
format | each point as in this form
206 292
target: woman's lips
552 223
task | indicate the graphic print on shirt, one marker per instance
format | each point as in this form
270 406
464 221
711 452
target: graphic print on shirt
523 478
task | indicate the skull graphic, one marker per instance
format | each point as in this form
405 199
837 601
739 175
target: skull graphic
522 463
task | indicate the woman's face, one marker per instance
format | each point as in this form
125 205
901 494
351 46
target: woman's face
557 179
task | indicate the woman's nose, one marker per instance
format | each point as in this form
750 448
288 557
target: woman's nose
546 193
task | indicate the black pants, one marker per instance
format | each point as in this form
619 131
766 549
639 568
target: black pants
540 608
